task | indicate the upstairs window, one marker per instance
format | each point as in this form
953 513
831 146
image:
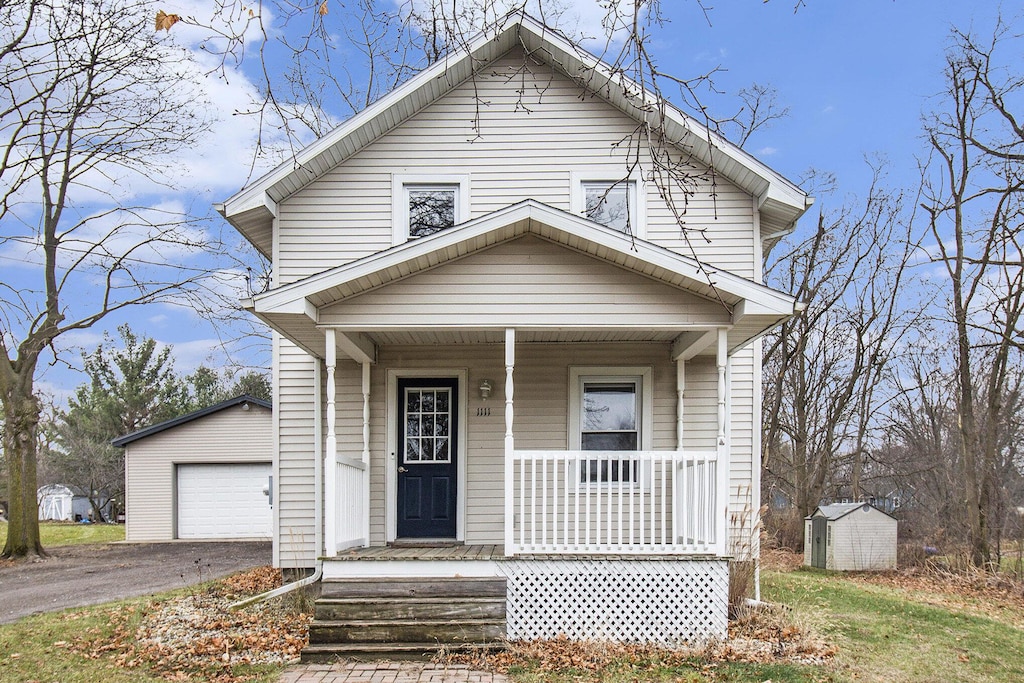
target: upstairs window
615 204
431 208
610 204
427 204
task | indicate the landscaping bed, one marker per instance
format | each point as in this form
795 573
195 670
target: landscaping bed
909 626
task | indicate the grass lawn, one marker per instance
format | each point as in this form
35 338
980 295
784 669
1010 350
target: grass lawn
55 534
892 635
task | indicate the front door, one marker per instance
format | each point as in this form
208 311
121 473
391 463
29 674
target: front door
427 449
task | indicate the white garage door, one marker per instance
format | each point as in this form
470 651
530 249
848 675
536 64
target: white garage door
223 501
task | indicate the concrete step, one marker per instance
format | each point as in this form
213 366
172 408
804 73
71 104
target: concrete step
413 588
407 631
332 652
372 609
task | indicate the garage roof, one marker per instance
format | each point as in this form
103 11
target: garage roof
123 441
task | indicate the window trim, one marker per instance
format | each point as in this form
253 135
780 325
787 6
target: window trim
402 182
580 374
634 184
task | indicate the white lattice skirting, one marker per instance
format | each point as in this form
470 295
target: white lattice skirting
667 602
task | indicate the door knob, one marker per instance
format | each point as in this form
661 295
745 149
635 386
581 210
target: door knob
402 470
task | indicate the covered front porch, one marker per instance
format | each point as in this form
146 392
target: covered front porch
567 501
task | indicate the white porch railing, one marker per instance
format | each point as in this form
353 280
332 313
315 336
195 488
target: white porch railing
613 502
350 482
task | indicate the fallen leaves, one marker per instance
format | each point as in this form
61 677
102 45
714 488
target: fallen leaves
996 596
196 637
759 637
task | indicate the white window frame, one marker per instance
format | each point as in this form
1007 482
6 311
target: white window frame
634 185
402 183
580 374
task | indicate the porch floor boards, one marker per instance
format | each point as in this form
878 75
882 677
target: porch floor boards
490 552
447 552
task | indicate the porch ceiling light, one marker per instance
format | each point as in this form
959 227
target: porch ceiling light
485 389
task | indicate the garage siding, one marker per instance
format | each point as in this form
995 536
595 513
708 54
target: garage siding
231 435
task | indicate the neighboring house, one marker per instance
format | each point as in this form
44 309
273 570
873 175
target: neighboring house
204 475
478 373
850 536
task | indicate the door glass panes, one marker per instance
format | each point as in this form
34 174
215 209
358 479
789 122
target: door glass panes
609 423
431 209
609 204
428 425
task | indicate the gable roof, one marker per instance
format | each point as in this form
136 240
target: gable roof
754 307
123 441
838 510
252 210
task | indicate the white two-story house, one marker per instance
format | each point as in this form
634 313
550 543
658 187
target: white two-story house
498 355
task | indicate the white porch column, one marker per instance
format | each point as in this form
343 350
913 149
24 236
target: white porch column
331 453
510 362
680 392
722 445
366 453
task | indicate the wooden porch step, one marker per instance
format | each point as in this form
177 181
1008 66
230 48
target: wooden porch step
407 631
331 652
413 588
371 609
405 618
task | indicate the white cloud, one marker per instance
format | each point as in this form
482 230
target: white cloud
767 151
586 19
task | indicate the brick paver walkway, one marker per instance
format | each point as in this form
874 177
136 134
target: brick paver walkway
387 672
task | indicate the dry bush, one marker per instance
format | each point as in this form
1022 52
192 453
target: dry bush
784 529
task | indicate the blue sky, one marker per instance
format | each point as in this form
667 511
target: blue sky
856 77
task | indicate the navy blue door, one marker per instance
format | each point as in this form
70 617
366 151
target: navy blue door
427 448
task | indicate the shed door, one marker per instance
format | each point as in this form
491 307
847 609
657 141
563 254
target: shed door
224 501
819 536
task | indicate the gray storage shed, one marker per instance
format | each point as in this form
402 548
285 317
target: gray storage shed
205 475
850 536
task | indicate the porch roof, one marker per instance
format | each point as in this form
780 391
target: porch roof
747 307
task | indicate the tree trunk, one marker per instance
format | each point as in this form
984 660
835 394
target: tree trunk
21 418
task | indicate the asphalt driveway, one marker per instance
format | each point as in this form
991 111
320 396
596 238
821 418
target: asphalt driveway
79 575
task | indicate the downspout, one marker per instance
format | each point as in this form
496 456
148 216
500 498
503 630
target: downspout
318 503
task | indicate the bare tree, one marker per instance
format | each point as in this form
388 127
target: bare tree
973 196
91 103
827 370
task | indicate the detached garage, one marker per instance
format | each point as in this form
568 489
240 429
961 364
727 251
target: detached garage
205 475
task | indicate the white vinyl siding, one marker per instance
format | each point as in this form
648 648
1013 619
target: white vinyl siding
511 156
231 435
527 281
294 403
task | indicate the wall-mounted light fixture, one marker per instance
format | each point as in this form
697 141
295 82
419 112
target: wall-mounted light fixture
485 389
